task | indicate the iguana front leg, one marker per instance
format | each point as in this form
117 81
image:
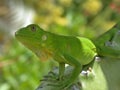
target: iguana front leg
61 70
76 71
68 81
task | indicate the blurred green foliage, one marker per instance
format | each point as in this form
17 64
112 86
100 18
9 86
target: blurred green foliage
20 69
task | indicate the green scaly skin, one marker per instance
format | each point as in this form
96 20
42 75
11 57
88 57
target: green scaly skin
108 44
75 51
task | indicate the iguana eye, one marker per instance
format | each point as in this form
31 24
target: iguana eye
33 28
